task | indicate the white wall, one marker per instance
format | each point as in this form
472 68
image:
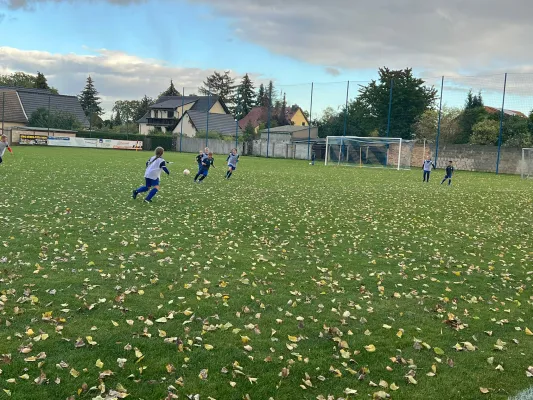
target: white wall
188 129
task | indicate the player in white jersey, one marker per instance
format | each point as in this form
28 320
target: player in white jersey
232 160
3 146
152 174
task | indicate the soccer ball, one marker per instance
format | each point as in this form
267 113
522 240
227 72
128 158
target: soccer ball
186 172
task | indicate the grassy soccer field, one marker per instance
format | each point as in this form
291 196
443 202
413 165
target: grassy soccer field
289 281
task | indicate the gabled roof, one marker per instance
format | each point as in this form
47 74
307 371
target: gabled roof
32 101
255 117
45 91
511 113
201 103
12 109
221 123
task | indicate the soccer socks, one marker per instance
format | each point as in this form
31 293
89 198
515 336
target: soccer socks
196 177
449 182
228 175
152 193
142 189
202 178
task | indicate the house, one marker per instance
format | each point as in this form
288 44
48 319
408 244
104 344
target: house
257 115
167 112
510 113
18 104
195 122
290 133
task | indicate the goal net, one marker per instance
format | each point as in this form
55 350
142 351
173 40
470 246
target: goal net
369 151
526 165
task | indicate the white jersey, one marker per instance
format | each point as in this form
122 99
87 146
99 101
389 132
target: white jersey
153 167
3 147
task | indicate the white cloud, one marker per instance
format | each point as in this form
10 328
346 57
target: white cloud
117 75
30 4
455 35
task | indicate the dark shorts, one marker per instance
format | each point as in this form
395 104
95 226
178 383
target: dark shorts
203 171
151 182
448 177
233 167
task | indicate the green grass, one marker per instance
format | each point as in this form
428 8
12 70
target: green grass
321 254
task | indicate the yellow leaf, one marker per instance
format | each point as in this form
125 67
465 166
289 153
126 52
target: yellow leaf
411 380
293 339
370 348
25 376
208 347
399 334
74 373
438 351
483 390
114 323
393 386
30 332
245 339
99 364
528 332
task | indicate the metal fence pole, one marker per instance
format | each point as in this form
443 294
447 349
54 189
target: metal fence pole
501 125
269 111
3 111
48 119
438 124
236 133
309 133
182 119
346 109
390 107
208 109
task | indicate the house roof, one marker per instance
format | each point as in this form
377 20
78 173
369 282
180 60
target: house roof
201 103
255 117
45 91
511 113
221 123
260 114
12 109
289 129
32 101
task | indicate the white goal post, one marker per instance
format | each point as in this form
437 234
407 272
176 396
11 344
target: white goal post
369 151
526 165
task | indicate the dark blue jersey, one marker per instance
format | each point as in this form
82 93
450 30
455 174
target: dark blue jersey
449 170
208 162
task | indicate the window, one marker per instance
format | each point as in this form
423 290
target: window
156 114
171 114
303 123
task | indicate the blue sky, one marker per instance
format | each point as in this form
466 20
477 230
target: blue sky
133 47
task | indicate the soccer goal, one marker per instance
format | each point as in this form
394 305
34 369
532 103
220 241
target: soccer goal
526 165
377 152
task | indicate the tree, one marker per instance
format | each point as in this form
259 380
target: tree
21 79
143 108
89 100
41 118
473 113
271 94
41 82
127 109
262 97
411 98
426 125
244 97
282 112
485 131
117 120
515 132
222 85
171 91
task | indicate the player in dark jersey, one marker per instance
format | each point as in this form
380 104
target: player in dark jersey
204 170
449 172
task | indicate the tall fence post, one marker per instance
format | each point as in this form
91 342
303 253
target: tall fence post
501 125
236 133
438 124
346 108
182 119
269 111
3 111
309 133
390 107
48 119
208 109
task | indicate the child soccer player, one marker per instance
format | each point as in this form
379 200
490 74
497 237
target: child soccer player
427 168
449 172
206 164
201 156
232 160
152 174
3 146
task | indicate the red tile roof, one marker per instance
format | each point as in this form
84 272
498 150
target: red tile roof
493 110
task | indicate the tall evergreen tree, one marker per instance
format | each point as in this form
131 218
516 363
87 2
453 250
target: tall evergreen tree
171 91
244 98
261 96
40 81
473 113
222 85
282 112
89 99
117 120
271 94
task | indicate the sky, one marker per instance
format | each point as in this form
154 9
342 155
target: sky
135 47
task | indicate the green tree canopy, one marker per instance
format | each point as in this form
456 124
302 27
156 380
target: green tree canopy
21 79
170 91
245 97
41 118
89 99
222 85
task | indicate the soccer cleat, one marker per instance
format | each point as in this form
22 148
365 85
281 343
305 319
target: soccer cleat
134 194
147 201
